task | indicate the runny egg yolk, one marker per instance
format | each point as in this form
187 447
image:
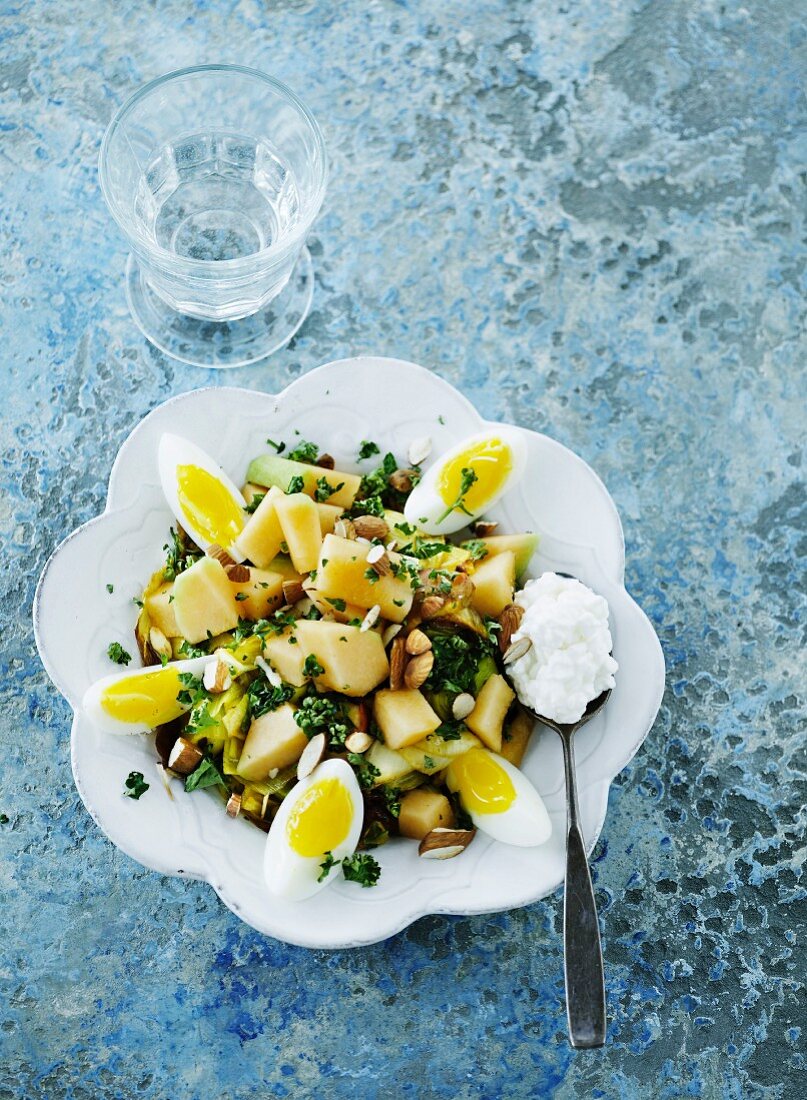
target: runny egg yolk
321 819
150 698
483 785
208 505
492 462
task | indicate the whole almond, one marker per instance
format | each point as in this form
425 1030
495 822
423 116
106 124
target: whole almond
238 574
432 606
517 650
311 755
371 527
184 756
401 480
345 528
221 555
482 528
418 669
509 621
419 450
326 461
292 591
463 705
445 843
358 741
417 642
397 664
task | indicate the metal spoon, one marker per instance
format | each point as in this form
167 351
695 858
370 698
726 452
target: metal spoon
582 954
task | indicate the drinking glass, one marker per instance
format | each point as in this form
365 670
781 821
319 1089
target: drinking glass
215 174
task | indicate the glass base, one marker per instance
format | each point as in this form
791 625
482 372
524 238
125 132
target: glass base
221 344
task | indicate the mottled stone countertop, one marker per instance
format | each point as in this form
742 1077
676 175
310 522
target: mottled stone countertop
589 216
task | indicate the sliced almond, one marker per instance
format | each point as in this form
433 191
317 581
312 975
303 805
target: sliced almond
517 650
238 574
418 669
397 664
509 621
483 527
345 528
445 843
234 805
220 554
432 606
217 677
165 780
185 756
463 705
390 633
326 461
370 619
402 480
311 756
274 678
358 741
293 591
371 527
362 720
417 642
160 644
419 450
378 560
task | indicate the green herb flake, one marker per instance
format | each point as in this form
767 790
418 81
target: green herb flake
110 588
336 602
279 447
368 449
476 548
135 785
392 797
118 654
305 452
139 603
326 865
255 503
241 596
371 575
324 489
361 868
205 775
264 697
296 484
365 771
319 714
311 667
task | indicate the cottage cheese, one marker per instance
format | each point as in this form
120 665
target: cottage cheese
569 662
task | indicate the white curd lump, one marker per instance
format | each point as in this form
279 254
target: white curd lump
569 662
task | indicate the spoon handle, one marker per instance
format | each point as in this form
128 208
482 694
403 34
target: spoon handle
585 981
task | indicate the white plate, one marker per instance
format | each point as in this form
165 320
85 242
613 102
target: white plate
337 405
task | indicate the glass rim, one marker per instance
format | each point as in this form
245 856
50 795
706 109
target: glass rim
154 250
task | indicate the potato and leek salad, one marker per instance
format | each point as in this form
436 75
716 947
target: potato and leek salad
319 652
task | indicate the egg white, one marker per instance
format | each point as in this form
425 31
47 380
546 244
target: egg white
425 506
292 876
175 451
93 708
525 823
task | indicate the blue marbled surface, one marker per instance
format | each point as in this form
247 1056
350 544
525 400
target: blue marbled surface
589 216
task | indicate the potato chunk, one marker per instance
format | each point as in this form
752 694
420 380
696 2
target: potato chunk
423 810
204 601
274 741
404 717
487 717
260 540
341 575
160 608
494 581
516 737
299 520
354 661
258 597
328 515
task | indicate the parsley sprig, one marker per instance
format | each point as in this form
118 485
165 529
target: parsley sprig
360 867
468 477
135 785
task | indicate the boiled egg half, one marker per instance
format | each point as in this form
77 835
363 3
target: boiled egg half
467 480
499 799
140 699
322 814
204 500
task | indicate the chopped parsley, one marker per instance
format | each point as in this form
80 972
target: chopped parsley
468 477
279 447
392 797
319 714
205 775
459 662
118 654
4 819
368 449
311 667
326 865
371 575
428 762
241 596
476 548
441 419
180 554
361 868
365 771
296 484
254 503
305 452
336 602
450 731
325 489
264 696
188 650
110 588
135 785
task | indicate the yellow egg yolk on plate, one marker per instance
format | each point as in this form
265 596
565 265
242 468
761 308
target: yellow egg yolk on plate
321 819
483 785
208 505
150 698
491 460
